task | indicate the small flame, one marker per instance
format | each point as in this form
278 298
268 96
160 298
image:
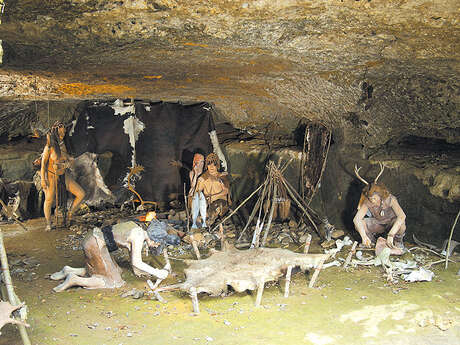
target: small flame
150 215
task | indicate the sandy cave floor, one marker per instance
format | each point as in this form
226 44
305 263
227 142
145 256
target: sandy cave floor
355 307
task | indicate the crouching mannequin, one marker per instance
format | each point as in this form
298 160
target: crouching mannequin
101 270
212 193
384 214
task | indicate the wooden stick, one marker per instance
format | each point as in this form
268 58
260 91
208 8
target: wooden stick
299 204
56 218
316 273
258 206
251 217
14 300
222 237
300 198
194 295
450 238
270 217
288 281
236 209
350 254
255 236
260 291
307 244
186 211
322 169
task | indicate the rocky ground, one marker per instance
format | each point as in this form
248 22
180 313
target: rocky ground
357 305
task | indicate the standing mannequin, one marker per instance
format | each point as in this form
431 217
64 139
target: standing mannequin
55 178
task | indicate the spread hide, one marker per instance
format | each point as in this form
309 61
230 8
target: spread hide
146 134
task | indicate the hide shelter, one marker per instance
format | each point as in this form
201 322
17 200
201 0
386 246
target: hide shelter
150 134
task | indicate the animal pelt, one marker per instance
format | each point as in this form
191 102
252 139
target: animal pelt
20 196
89 177
243 269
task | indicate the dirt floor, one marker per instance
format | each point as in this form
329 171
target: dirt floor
345 307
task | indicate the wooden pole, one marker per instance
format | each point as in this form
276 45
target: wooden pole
270 217
236 209
450 238
194 245
288 281
194 295
299 204
350 254
315 274
260 291
259 204
222 237
14 300
307 244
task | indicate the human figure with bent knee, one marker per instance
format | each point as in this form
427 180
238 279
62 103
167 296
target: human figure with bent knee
55 176
379 212
101 270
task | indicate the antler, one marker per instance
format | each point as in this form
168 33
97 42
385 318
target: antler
382 167
357 175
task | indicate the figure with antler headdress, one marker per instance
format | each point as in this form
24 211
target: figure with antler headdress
55 177
379 212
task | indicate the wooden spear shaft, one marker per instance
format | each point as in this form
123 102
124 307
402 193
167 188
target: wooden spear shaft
270 217
194 245
450 238
9 288
253 211
301 206
236 209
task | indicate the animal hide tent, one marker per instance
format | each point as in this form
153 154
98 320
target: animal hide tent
150 134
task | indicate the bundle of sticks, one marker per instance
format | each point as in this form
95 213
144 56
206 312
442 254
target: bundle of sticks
274 188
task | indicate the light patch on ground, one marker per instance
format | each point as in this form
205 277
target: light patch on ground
318 339
371 316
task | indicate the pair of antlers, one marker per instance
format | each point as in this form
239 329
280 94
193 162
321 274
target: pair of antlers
382 167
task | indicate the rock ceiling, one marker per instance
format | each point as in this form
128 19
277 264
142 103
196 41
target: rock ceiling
379 69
